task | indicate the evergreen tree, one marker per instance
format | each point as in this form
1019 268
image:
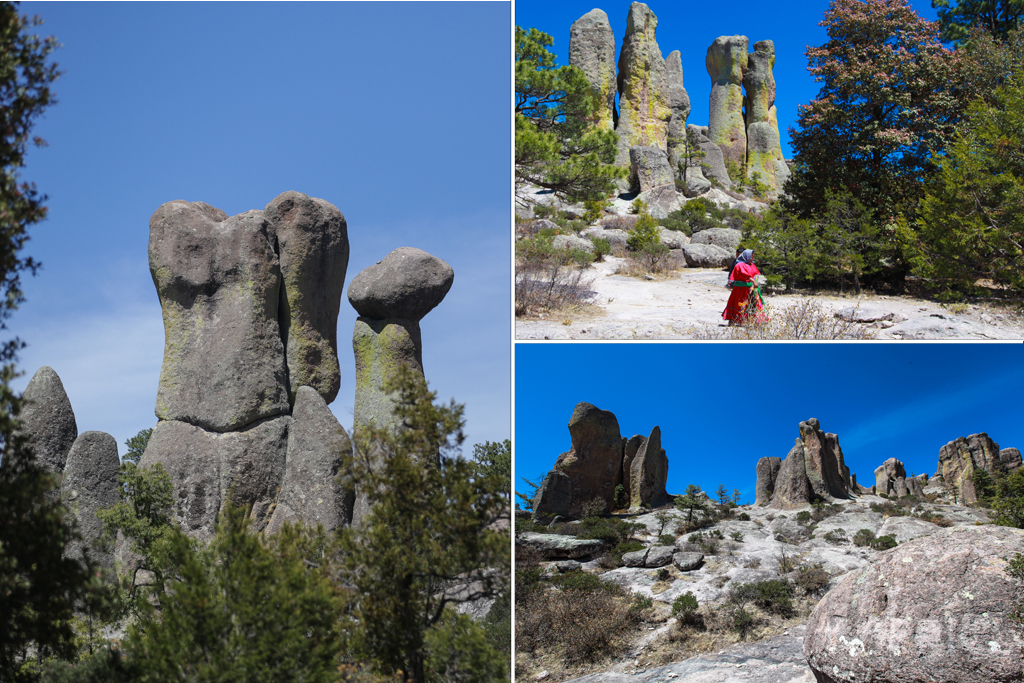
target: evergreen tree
137 446
692 500
558 144
997 17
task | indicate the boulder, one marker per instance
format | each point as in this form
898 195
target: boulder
673 239
1010 459
696 183
560 547
637 558
209 468
679 105
644 111
659 556
219 281
661 200
726 238
707 256
407 283
316 488
936 608
594 463
726 63
90 484
767 473
553 497
572 242
312 246
649 168
886 475
686 562
592 50
649 473
47 419
712 164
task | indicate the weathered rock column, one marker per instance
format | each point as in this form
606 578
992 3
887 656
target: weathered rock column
90 484
48 420
726 62
679 106
649 474
391 298
767 473
644 111
592 50
764 145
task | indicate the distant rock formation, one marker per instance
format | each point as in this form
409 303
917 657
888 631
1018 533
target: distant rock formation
600 460
250 306
889 477
391 297
937 608
48 420
813 470
959 458
592 50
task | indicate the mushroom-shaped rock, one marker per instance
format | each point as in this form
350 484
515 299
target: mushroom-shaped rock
312 244
726 62
408 283
89 485
219 282
47 419
936 608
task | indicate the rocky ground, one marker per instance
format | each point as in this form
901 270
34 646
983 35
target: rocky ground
688 304
771 544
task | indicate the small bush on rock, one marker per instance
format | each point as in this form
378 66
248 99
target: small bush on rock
744 517
863 537
836 537
884 542
812 579
772 595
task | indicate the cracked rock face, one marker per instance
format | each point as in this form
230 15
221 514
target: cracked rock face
88 485
959 458
932 609
48 420
643 83
592 50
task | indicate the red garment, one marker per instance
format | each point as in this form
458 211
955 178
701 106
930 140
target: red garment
735 308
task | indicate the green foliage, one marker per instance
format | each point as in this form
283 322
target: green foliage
803 517
742 621
594 210
997 17
559 145
1008 502
685 607
638 207
692 501
743 517
884 542
812 579
836 537
971 224
583 581
772 595
525 501
1015 569
611 530
620 497
429 527
984 486
459 650
736 536
787 247
644 240
137 446
863 537
602 247
241 609
495 460
722 494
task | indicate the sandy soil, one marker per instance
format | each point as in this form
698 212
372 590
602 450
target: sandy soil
688 304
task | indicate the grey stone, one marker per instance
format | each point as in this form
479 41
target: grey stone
564 566
792 488
553 496
644 111
648 168
767 473
826 471
659 556
959 458
316 456
707 256
89 485
713 163
933 609
572 242
312 245
558 546
407 283
686 562
1010 459
696 183
594 463
47 419
726 62
886 475
637 558
649 473
592 50
673 239
219 283
630 448
661 200
726 238
679 105
209 468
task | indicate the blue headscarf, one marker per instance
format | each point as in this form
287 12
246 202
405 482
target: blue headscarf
746 257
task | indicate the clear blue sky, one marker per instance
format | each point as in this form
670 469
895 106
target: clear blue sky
723 406
397 113
692 27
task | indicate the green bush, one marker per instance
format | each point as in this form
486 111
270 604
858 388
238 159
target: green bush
864 537
666 539
684 608
743 517
803 517
585 582
620 491
602 248
836 536
644 233
772 595
884 542
736 536
742 621
812 579
638 206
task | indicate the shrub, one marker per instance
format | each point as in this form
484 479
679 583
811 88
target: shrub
864 537
594 210
580 627
772 595
836 536
644 233
744 517
638 206
611 530
602 248
585 582
884 542
641 602
592 509
664 574
736 535
742 621
666 539
620 493
812 579
549 279
684 608
808 319
822 510
803 517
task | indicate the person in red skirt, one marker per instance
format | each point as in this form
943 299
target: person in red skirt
745 298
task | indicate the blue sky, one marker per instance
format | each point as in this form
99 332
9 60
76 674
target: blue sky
723 406
691 28
397 113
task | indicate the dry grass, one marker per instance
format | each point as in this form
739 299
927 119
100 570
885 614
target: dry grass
808 319
543 288
643 268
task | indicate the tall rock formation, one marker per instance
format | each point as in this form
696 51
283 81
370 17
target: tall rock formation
643 83
959 458
47 419
767 474
391 297
679 105
594 463
248 320
88 485
592 50
649 473
631 447
726 62
764 145
813 470
887 477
